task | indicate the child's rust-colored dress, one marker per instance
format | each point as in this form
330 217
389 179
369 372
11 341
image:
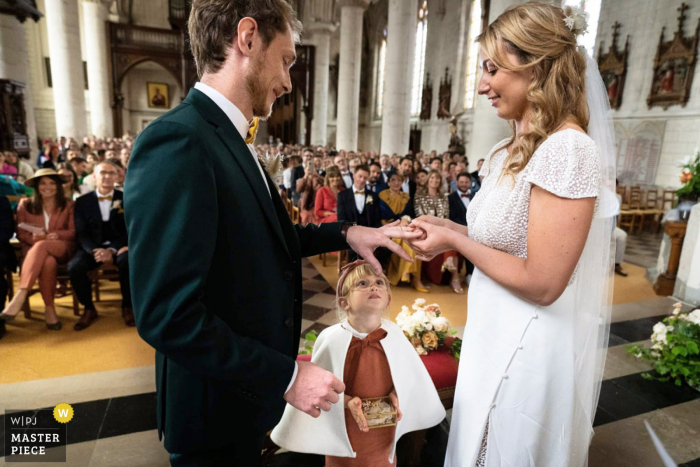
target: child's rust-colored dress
366 375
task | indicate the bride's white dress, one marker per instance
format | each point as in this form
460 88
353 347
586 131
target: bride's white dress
517 361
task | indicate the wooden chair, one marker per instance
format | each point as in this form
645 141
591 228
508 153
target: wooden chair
342 259
668 199
650 207
106 272
296 215
631 210
289 206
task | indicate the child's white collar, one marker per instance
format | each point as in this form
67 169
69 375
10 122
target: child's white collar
360 335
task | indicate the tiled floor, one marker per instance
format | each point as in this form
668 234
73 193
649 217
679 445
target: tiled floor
115 423
643 249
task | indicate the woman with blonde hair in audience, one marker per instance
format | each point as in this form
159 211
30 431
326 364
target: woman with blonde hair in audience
46 231
433 202
307 187
395 204
71 188
326 204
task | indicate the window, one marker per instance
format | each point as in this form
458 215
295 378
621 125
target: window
472 55
592 7
419 58
380 76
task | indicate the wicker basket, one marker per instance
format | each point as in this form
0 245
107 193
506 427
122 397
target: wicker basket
379 412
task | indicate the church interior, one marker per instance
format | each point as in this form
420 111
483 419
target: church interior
81 79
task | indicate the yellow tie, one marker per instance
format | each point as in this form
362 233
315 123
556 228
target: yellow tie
252 131
104 198
359 192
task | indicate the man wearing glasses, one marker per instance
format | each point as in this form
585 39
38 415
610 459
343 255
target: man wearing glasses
102 239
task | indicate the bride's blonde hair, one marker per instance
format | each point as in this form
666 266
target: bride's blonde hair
537 35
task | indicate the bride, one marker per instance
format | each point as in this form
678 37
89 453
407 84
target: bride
540 237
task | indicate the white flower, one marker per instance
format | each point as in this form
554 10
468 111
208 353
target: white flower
659 328
659 335
576 20
657 346
402 317
418 304
677 308
694 317
441 324
421 350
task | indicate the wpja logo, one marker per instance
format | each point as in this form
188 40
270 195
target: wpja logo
37 435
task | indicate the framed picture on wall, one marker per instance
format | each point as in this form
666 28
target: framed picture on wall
158 97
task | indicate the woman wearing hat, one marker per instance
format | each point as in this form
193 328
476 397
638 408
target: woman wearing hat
46 230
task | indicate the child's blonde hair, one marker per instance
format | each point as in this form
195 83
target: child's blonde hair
347 281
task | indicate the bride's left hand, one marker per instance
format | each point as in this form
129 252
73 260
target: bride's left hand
434 241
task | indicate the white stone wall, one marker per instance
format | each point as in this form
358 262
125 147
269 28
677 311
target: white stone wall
642 20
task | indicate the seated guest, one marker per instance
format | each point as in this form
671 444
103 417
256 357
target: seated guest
375 184
297 174
307 187
8 259
102 239
24 170
5 167
326 203
318 163
421 182
408 185
387 168
44 153
395 205
52 160
459 201
70 184
435 203
80 167
50 242
417 165
359 205
342 163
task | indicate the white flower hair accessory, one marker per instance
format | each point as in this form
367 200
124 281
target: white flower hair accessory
576 19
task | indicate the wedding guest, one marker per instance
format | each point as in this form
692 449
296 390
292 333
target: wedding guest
71 188
5 167
395 205
307 187
288 165
50 243
421 182
318 163
417 166
80 167
435 203
375 184
297 174
387 168
361 206
408 184
326 203
124 156
478 168
342 163
72 154
44 153
24 170
102 239
52 160
8 259
459 202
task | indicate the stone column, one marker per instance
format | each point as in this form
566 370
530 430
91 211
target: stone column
66 68
351 12
488 129
400 48
322 40
95 14
14 64
688 279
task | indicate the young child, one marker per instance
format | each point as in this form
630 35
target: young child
374 359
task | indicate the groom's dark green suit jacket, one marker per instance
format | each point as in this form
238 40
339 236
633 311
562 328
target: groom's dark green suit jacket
215 266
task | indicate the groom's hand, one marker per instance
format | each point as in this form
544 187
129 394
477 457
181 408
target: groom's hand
314 389
364 240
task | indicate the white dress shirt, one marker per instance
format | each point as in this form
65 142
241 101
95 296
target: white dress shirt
237 118
465 201
347 179
405 186
106 205
241 124
359 199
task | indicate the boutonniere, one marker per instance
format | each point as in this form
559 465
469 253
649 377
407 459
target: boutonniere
370 200
118 205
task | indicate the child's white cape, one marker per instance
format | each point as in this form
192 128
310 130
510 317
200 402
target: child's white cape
326 435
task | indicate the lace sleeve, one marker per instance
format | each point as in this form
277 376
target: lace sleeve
566 165
486 167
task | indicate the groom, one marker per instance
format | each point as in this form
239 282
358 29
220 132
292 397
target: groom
215 260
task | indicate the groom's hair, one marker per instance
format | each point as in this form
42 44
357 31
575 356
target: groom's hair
213 24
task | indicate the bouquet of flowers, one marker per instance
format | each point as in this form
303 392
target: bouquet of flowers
424 326
690 177
675 349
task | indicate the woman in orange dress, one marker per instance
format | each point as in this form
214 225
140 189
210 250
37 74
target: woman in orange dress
46 231
326 202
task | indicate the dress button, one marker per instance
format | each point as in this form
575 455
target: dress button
534 315
288 275
289 322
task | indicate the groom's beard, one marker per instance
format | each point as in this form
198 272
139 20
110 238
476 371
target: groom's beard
257 91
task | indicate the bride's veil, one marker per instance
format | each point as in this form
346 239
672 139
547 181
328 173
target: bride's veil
594 282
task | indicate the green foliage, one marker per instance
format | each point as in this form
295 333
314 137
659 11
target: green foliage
675 353
309 340
456 348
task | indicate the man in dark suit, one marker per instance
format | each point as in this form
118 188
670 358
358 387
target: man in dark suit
459 201
215 259
341 161
375 183
406 170
387 169
101 234
318 163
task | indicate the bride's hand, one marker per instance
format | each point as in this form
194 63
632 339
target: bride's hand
435 240
448 224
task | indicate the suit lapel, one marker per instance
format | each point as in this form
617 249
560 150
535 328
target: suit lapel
241 153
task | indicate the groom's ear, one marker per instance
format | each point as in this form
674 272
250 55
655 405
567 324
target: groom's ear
247 36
